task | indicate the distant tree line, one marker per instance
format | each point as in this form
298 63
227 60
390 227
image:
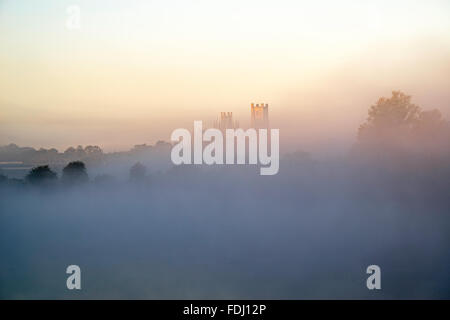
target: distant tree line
395 129
12 152
89 154
73 174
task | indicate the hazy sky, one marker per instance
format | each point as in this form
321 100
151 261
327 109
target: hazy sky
136 70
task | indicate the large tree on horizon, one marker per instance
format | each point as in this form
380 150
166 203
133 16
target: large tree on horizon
389 118
396 124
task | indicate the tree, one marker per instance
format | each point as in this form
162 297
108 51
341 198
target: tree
396 126
432 133
41 175
75 173
390 119
430 124
93 151
72 153
137 172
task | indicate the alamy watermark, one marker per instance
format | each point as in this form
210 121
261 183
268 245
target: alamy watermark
213 152
73 21
74 280
374 280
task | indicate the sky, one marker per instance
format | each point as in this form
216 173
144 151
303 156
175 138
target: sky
136 70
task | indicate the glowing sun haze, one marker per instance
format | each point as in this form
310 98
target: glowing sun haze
136 70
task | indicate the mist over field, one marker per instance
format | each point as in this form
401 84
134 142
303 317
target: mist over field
225 232
309 232
92 91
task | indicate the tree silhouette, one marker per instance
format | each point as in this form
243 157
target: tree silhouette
75 173
396 126
93 151
137 172
41 175
389 119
